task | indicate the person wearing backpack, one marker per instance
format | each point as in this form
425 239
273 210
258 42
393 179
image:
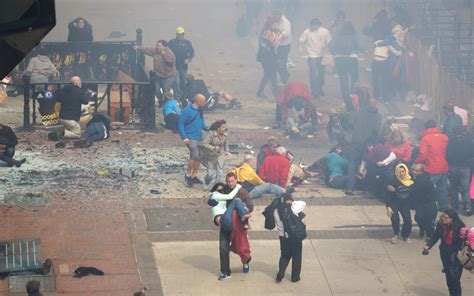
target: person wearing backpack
448 230
291 230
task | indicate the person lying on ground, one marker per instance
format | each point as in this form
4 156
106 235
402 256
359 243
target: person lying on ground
251 182
98 128
223 205
298 125
8 141
216 100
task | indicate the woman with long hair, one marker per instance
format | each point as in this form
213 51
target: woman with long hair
214 148
267 56
448 231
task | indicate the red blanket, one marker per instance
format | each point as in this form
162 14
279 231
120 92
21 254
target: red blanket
239 240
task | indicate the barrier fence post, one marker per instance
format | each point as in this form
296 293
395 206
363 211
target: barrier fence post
26 104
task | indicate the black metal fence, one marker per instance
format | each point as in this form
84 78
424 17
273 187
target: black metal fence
98 64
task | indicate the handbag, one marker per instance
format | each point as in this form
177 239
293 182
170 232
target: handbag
465 257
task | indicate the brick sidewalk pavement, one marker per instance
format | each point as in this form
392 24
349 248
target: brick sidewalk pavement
94 234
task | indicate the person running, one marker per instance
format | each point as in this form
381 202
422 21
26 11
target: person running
448 231
397 202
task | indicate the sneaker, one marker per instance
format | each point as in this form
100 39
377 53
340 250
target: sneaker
407 239
223 277
468 213
196 180
189 181
207 180
245 267
349 193
394 240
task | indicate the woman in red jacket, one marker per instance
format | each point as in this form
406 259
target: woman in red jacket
400 146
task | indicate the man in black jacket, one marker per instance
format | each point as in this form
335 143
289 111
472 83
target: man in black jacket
8 141
423 197
71 98
458 154
184 52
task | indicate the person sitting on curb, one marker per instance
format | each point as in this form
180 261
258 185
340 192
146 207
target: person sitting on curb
171 112
276 168
8 141
266 150
337 168
253 183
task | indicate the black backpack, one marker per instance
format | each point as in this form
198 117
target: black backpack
293 224
268 214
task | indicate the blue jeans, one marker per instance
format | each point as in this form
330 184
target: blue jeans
226 218
261 189
164 85
440 181
316 76
348 70
8 153
459 178
215 174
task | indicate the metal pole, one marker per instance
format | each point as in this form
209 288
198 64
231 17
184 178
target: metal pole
26 104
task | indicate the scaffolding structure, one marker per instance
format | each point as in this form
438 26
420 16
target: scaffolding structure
447 27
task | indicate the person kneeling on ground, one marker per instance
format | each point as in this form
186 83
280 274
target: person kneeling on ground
253 183
336 166
8 141
291 243
300 125
221 212
71 98
171 112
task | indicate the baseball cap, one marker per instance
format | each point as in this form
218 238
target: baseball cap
179 30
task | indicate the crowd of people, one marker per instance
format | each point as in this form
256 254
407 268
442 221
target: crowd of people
430 172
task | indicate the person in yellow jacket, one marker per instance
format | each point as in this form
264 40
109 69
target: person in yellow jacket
256 187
